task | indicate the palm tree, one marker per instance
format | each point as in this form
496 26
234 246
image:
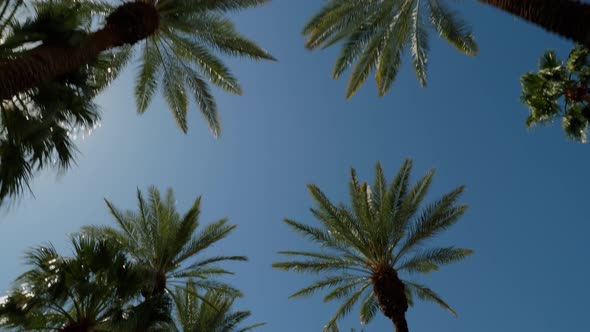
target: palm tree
88 291
211 312
368 246
54 57
555 83
375 33
567 18
179 55
36 125
178 38
167 245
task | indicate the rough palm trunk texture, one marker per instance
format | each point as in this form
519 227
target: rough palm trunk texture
567 18
576 94
128 24
82 326
160 286
391 296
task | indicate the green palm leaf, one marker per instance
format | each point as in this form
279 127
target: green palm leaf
419 44
374 35
179 56
147 78
211 311
426 294
555 84
90 288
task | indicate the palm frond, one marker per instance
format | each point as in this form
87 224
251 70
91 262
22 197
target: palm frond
212 233
369 308
346 307
436 218
419 44
367 244
205 100
452 29
426 294
398 36
430 259
328 281
374 35
179 56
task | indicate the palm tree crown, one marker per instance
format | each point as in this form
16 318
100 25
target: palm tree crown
166 244
180 39
366 246
88 291
211 312
180 56
36 127
375 33
559 83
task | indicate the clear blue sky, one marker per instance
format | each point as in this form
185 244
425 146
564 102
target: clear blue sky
528 221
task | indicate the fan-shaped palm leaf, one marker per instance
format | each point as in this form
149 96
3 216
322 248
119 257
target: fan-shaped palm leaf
35 125
88 291
557 83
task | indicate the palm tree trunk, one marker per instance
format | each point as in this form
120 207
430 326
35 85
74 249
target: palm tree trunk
391 296
400 324
568 18
128 24
82 326
577 93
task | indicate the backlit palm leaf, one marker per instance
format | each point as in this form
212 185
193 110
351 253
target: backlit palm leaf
375 34
90 290
38 125
559 83
179 56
